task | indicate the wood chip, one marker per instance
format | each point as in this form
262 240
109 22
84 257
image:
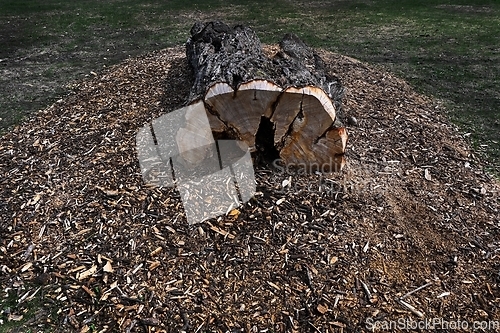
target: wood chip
322 308
86 274
108 268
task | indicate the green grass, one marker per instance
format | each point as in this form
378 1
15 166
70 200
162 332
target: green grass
30 309
448 49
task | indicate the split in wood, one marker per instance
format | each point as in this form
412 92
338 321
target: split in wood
284 107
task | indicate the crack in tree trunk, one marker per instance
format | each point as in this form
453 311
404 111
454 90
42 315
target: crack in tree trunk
243 90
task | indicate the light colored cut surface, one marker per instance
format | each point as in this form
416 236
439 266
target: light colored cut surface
242 110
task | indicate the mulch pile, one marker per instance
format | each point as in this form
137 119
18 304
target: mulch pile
409 231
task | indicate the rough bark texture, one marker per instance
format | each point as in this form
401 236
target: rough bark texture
242 88
219 53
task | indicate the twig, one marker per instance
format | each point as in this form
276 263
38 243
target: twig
367 291
411 308
415 290
315 328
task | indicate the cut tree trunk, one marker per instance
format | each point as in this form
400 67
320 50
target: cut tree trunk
283 106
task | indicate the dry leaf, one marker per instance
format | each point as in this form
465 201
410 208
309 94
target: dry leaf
235 213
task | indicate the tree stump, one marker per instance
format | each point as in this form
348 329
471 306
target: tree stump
284 106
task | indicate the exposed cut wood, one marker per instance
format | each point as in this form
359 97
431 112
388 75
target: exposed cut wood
242 110
304 133
244 90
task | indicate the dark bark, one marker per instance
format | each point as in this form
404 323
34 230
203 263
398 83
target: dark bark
242 88
219 53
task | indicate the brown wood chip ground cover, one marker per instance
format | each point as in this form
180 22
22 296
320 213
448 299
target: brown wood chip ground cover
100 251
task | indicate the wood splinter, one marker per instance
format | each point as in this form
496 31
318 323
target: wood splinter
415 290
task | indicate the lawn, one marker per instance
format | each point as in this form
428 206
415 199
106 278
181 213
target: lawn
450 51
446 49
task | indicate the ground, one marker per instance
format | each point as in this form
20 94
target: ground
87 246
450 51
